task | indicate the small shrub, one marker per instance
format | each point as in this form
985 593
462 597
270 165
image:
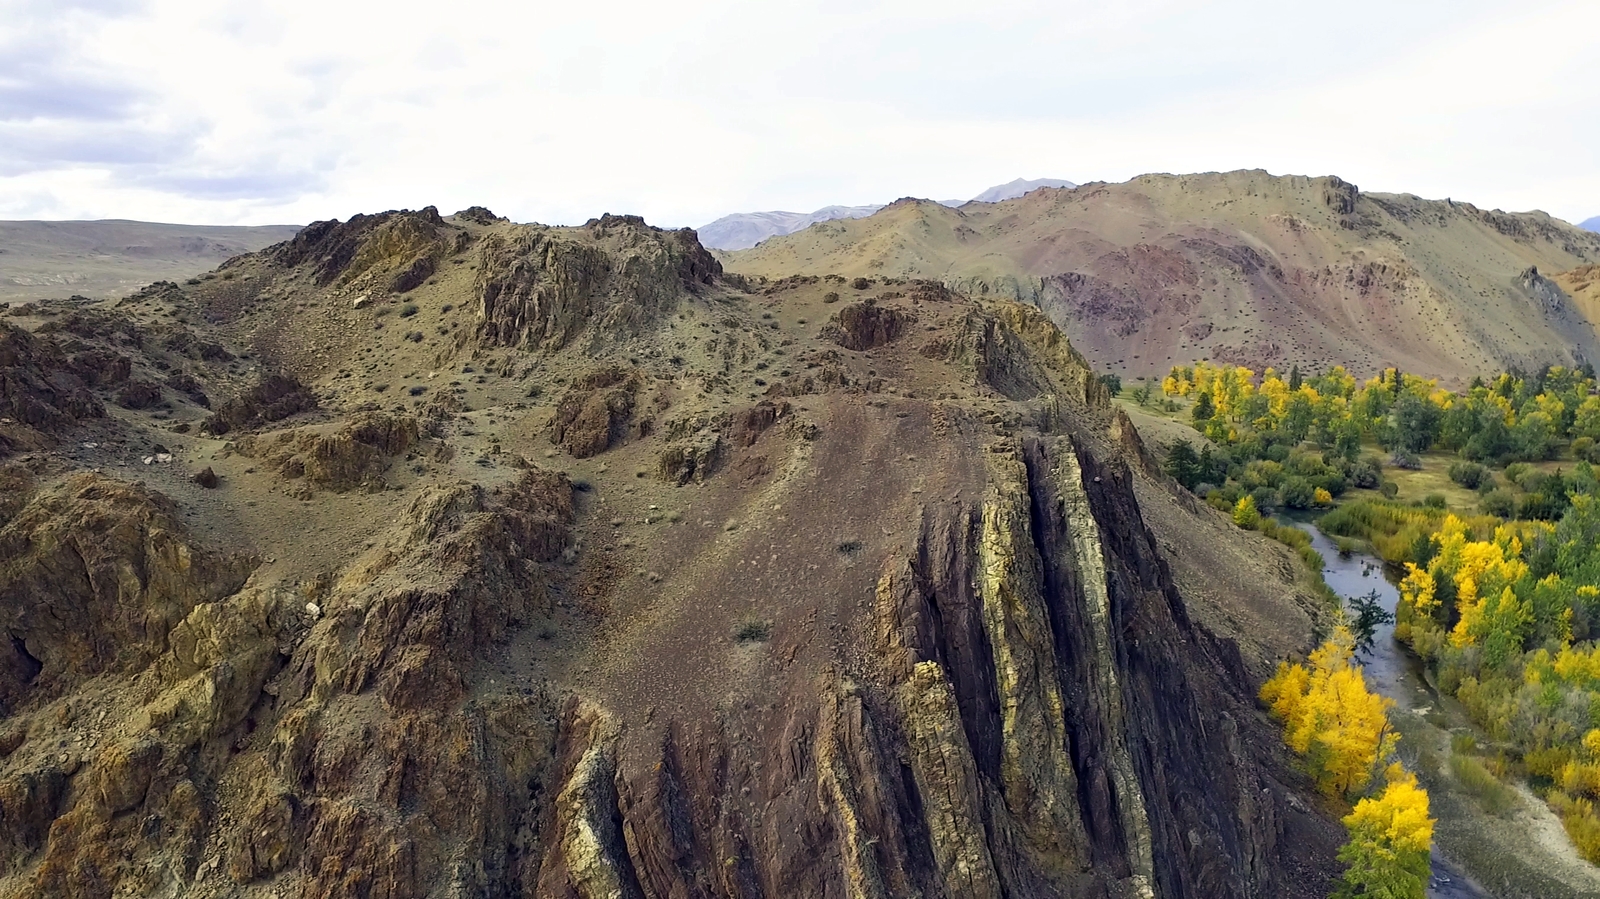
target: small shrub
1246 515
1467 474
409 310
1297 493
753 630
1499 503
830 297
1406 459
860 284
1516 471
1367 473
1435 501
1389 489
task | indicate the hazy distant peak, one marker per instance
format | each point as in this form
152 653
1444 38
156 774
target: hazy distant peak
743 230
1591 224
1013 189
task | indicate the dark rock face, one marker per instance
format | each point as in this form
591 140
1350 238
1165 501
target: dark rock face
595 412
1545 293
1340 195
139 395
273 398
478 215
41 391
865 325
404 246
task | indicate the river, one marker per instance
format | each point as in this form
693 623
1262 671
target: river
1392 671
1521 855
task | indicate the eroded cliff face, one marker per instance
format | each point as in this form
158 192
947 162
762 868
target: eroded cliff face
893 628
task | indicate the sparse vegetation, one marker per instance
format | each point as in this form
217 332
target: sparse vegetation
1479 782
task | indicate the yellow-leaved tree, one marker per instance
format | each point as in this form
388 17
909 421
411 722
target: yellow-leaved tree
1390 837
1331 718
1342 729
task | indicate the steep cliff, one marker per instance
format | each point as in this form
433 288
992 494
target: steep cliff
740 594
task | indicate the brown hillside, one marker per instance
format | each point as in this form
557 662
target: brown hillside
442 556
1582 284
1241 267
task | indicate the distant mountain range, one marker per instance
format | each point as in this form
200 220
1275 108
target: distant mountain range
743 230
114 257
1591 224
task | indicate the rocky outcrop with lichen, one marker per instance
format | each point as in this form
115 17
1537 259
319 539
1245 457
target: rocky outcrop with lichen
539 287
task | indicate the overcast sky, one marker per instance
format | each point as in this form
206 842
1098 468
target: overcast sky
285 112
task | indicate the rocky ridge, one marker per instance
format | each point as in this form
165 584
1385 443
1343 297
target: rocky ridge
628 579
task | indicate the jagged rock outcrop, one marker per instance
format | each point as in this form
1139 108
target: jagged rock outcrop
1544 292
864 325
393 251
596 411
95 575
539 287
1009 346
41 392
254 700
356 455
272 398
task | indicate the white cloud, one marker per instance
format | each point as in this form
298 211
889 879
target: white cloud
229 112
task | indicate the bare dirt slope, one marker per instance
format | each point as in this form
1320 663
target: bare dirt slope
425 556
1240 267
114 258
